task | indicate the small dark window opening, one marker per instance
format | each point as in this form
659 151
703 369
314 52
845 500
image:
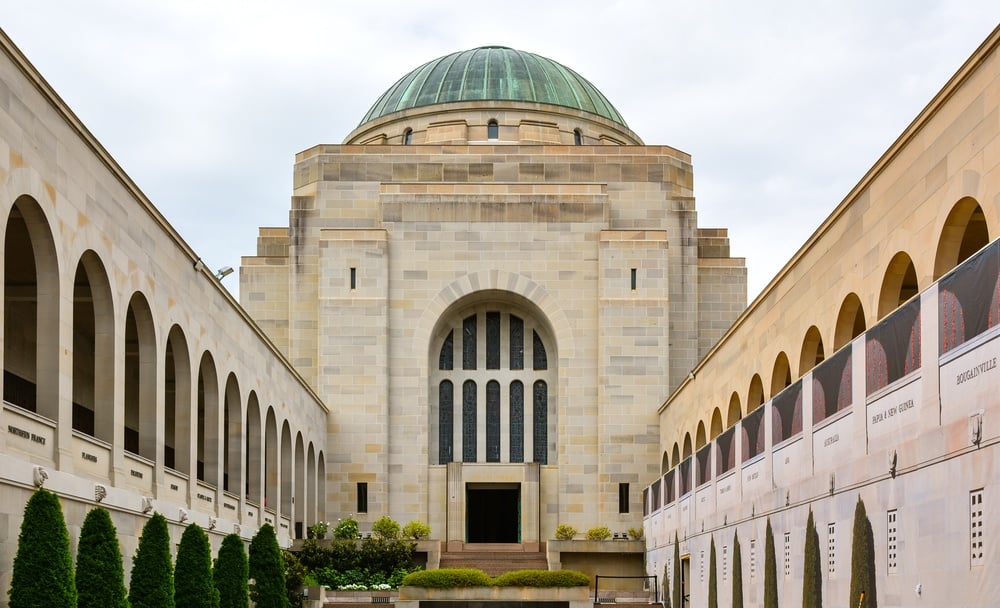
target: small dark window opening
623 498
492 130
633 279
354 279
407 137
577 137
362 497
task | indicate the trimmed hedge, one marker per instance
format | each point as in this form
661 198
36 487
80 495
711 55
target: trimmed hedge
152 571
448 578
863 560
455 578
43 567
231 573
770 569
100 577
713 577
737 573
812 572
542 578
193 585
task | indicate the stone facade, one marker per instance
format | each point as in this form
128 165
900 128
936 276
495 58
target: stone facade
803 405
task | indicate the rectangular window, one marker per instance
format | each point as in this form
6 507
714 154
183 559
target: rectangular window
623 498
788 554
831 549
354 278
469 328
492 340
753 559
891 542
633 278
362 497
976 527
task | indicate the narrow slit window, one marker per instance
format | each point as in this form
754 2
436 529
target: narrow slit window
492 130
633 278
407 137
831 549
577 137
976 527
354 278
891 533
623 498
362 497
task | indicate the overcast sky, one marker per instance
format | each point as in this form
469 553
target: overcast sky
782 105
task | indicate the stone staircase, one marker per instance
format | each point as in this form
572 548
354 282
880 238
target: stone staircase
495 558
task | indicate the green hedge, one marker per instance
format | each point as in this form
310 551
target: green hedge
542 578
152 584
100 576
43 567
193 584
448 578
454 578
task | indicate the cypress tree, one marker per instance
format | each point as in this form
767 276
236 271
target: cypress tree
231 573
770 570
666 586
152 571
100 577
812 572
737 572
713 583
267 568
862 560
193 586
43 566
678 590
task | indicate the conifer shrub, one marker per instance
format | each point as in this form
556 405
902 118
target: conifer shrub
812 572
152 584
599 533
565 532
448 578
386 528
193 584
416 530
267 569
862 560
542 578
770 570
43 567
231 573
678 591
666 586
713 581
737 572
100 577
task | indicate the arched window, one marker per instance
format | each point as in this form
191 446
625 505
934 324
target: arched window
492 130
577 137
496 353
407 137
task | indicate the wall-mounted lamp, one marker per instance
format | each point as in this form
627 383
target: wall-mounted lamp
223 272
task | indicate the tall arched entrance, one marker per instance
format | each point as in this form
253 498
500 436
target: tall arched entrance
492 416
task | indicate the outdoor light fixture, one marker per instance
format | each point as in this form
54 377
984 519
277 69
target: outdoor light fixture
224 272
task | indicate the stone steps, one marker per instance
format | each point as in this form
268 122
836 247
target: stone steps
495 563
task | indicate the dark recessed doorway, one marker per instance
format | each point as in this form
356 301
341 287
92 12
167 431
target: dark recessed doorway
493 513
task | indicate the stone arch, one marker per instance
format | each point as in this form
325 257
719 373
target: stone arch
898 285
664 462
735 412
755 394
717 426
321 487
254 452
964 232
688 449
233 444
311 484
286 476
510 336
675 455
701 437
177 402
93 349
31 310
812 350
270 462
781 374
850 321
140 378
207 441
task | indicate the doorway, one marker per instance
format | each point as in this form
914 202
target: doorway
493 513
685 581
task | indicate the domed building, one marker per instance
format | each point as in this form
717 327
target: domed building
491 283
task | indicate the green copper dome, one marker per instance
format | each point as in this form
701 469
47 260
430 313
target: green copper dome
493 73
